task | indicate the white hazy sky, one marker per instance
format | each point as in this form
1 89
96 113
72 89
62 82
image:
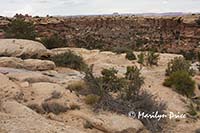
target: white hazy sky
86 7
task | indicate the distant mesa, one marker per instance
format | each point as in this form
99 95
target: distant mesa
116 14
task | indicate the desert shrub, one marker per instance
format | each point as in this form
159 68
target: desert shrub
146 102
53 107
74 106
192 110
94 84
130 56
152 58
178 64
90 42
20 29
135 82
120 50
37 108
91 99
141 58
110 81
128 97
77 86
54 41
69 59
189 55
181 82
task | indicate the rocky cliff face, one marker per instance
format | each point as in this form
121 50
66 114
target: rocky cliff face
166 34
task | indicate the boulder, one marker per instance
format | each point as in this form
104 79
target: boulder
11 62
29 64
22 48
111 122
31 77
18 118
40 65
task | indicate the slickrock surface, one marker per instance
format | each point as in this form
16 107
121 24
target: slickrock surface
25 85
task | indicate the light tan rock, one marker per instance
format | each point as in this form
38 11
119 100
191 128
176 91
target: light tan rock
8 89
31 77
17 118
22 48
41 65
43 90
110 122
29 64
11 62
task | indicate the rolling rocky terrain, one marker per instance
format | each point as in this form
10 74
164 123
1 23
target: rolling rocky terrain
27 83
39 95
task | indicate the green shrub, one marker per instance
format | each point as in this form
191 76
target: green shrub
91 99
130 56
90 41
54 41
69 59
192 110
128 95
181 82
20 29
141 58
120 50
94 84
189 55
135 82
178 64
111 83
152 58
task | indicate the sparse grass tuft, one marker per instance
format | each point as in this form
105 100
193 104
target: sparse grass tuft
77 86
91 99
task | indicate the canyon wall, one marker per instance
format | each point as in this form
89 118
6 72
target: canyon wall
165 34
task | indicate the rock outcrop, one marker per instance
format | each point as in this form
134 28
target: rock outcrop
111 123
22 48
29 64
174 34
17 118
